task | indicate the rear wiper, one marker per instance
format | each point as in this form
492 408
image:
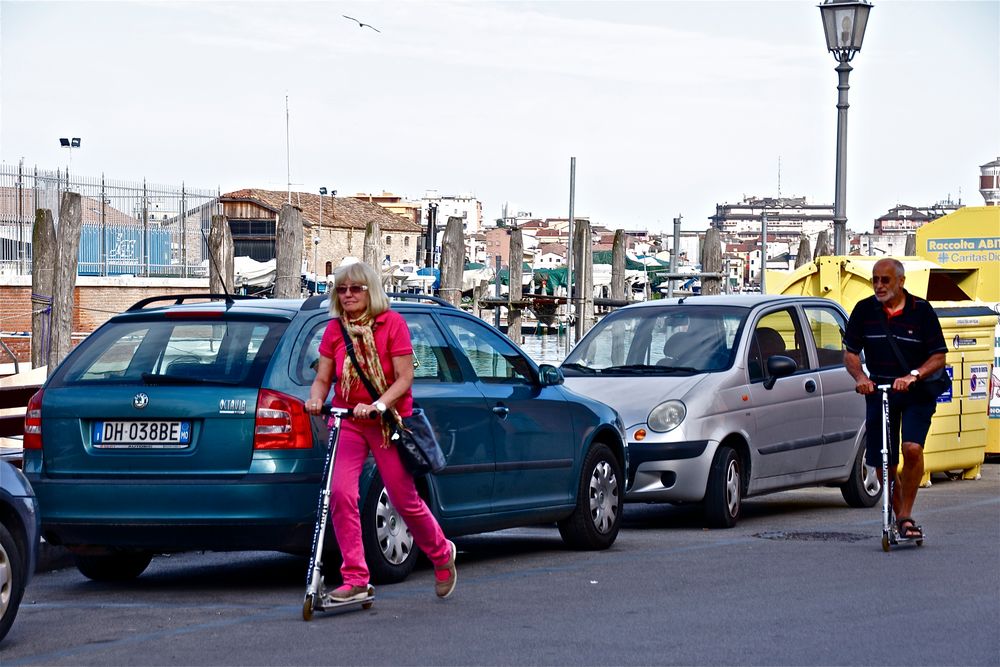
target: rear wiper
156 378
573 366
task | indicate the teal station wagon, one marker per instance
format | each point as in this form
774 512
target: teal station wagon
180 425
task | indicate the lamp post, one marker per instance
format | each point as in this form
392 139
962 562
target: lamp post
315 239
844 23
70 144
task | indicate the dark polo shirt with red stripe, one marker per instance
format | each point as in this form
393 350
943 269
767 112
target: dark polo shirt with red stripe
916 329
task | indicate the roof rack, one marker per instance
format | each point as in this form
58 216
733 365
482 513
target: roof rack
409 296
181 298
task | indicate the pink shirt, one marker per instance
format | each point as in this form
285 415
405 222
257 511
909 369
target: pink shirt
392 339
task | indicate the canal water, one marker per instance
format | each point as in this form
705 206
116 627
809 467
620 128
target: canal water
545 349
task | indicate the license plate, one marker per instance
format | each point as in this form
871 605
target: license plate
141 434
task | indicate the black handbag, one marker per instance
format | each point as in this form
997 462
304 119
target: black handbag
413 436
929 387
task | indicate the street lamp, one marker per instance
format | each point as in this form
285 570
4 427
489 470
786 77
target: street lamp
315 240
70 144
844 23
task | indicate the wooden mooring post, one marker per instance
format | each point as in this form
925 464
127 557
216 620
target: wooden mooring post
43 262
288 253
221 267
514 291
618 265
452 262
66 258
711 262
583 261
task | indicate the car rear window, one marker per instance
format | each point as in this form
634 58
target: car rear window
185 352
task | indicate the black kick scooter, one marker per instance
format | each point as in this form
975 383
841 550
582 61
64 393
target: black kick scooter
316 599
890 532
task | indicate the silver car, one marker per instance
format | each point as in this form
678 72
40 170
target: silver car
725 397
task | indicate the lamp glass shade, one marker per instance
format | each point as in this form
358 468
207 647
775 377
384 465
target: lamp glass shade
76 142
844 25
64 142
322 191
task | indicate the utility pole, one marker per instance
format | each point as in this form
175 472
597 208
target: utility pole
431 234
569 253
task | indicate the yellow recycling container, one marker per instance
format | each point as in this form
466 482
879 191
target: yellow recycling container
960 428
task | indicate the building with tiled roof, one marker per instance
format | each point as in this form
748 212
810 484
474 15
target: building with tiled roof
334 226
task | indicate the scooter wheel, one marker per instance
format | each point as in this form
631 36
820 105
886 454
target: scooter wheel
307 608
885 542
367 605
920 543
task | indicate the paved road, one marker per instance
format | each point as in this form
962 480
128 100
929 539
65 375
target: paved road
802 580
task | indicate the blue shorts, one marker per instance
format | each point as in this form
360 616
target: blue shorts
908 416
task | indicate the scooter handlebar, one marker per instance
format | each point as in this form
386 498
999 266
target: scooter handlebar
344 413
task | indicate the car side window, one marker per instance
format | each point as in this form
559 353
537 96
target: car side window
433 360
491 357
828 326
777 333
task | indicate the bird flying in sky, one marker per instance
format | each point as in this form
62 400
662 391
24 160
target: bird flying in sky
360 24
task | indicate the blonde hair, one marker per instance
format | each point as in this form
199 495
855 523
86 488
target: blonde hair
359 273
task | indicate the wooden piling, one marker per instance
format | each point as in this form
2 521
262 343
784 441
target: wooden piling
583 269
66 257
514 291
220 263
43 261
618 266
288 253
822 245
805 254
452 262
373 254
911 245
711 261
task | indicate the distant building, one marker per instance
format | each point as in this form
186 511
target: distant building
253 216
411 210
464 206
903 218
787 217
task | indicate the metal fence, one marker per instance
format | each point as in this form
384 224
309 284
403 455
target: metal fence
128 228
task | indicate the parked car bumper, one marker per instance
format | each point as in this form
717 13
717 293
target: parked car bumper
669 471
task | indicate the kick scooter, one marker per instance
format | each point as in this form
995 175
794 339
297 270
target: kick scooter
890 531
316 599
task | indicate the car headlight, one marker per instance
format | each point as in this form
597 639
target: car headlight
666 416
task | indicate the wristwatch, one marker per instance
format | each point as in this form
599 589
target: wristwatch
915 373
380 406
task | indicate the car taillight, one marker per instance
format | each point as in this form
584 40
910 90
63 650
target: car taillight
33 422
282 422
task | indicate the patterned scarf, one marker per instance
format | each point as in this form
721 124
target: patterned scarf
362 334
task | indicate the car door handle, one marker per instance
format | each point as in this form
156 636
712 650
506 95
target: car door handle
501 411
810 386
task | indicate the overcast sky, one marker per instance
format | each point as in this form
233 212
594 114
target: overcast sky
668 107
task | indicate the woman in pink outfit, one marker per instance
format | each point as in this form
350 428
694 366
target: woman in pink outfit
383 349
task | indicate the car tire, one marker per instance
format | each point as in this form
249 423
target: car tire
118 565
389 548
596 519
864 487
12 579
724 495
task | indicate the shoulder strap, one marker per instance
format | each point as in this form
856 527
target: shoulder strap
349 344
892 342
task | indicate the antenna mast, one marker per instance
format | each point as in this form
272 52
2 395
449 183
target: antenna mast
779 177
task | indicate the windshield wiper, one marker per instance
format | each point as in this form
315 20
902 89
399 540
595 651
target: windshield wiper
649 369
156 378
579 367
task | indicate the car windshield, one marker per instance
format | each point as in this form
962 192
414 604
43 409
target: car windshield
668 340
172 352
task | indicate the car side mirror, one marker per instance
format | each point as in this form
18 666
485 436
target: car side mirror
778 366
549 375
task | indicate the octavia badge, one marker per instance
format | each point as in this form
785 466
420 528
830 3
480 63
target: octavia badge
140 401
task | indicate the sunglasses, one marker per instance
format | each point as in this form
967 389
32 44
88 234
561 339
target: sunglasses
885 280
353 289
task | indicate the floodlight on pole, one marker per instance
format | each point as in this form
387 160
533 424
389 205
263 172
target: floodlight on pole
844 23
70 144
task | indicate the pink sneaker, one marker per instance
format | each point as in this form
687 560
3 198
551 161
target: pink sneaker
347 593
446 577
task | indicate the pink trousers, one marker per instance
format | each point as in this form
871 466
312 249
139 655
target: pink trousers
357 438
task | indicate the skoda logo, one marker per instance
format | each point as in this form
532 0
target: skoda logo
140 401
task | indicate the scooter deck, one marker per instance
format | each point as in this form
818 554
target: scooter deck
326 603
892 538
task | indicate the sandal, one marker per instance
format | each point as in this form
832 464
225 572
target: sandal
908 529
